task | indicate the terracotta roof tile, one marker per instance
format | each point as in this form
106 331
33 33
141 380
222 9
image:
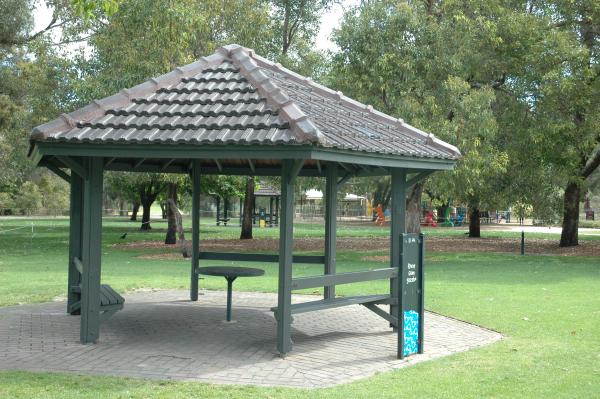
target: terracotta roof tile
235 96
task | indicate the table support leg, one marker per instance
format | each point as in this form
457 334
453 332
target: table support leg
230 281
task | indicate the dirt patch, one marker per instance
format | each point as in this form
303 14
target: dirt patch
433 244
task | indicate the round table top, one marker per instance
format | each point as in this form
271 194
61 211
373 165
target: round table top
231 271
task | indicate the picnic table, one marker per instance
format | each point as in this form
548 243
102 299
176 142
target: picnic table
230 273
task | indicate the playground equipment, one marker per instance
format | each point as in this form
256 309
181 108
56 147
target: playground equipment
380 220
447 220
460 217
429 220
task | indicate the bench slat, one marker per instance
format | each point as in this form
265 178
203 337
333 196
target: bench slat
104 300
112 296
336 302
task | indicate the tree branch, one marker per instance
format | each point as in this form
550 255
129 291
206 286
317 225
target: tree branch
24 40
591 165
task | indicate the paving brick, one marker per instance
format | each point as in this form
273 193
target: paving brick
162 335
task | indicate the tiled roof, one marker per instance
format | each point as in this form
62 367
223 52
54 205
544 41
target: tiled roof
265 190
235 96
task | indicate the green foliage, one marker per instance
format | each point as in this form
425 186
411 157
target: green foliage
511 83
55 194
29 198
16 21
428 78
91 8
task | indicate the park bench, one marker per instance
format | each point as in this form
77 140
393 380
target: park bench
110 300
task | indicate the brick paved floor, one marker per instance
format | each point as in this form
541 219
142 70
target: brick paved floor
162 335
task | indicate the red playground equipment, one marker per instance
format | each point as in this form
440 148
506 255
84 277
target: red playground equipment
380 220
429 220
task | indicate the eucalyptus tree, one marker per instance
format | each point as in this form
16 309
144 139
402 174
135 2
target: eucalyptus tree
427 62
567 99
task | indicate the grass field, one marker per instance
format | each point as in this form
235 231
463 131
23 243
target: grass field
547 307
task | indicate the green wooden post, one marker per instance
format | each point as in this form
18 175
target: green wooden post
75 233
330 224
195 228
91 251
284 292
398 227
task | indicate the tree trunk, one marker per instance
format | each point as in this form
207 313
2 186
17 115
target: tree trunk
146 215
413 209
171 237
382 194
185 251
134 211
248 210
474 222
570 236
163 210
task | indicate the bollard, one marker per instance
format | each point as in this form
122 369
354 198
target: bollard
523 242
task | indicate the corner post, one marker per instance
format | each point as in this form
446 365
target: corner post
195 229
284 291
91 250
421 292
330 225
398 227
75 244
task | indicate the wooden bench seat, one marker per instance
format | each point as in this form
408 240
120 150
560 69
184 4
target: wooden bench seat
110 301
322 304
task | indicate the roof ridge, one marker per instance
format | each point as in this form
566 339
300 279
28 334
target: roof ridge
123 98
339 96
299 122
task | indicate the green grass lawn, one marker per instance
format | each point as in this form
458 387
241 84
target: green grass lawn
547 307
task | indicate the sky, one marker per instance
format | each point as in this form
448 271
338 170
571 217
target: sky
329 21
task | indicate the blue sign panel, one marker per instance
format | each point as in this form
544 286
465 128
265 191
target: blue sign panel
411 333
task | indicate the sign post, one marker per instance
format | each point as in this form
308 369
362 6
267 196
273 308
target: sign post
411 308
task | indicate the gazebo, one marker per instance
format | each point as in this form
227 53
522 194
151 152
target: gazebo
234 113
266 191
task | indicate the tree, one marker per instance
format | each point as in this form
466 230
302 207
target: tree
140 189
145 38
29 198
248 214
567 103
435 77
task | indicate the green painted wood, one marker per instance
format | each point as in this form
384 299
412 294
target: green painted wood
323 304
187 151
113 296
34 154
381 313
58 172
91 251
195 229
272 258
183 151
105 299
75 243
126 165
284 291
331 188
78 264
418 177
422 295
377 159
75 307
398 227
330 280
108 296
344 179
74 165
